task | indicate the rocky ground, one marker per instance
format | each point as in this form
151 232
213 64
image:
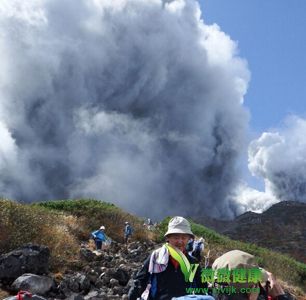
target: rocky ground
96 275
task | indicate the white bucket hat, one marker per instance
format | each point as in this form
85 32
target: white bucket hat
179 225
237 259
102 227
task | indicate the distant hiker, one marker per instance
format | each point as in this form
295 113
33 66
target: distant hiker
99 237
128 231
169 271
261 285
149 224
197 249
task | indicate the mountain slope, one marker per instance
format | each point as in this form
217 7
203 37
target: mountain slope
281 228
65 225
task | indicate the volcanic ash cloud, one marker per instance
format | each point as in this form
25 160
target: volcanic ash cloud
134 102
279 158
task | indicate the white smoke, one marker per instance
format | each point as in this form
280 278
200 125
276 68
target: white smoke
279 157
130 101
247 198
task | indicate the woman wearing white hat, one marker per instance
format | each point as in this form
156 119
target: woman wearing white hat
169 272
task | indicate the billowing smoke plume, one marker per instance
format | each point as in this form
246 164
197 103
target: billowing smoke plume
280 159
134 102
247 198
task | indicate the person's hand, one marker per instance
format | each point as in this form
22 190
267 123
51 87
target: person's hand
253 295
275 288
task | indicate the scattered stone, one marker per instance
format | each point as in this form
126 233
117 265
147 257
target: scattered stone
106 276
36 284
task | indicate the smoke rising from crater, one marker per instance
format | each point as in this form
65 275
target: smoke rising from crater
279 157
134 102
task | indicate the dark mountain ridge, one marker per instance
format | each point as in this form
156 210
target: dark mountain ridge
282 228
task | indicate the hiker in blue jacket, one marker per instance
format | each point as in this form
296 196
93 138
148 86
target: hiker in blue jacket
99 237
128 231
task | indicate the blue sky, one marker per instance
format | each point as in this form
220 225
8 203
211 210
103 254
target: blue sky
271 37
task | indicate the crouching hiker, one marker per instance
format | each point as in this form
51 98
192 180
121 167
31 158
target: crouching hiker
99 237
198 248
240 278
170 272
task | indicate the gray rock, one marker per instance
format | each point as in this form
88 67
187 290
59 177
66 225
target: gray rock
113 282
74 296
92 295
35 284
92 275
122 276
87 255
76 283
78 297
27 259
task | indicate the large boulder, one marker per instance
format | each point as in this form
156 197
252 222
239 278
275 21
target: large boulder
35 284
76 283
121 275
27 259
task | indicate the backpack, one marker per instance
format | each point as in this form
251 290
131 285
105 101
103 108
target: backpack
189 246
198 247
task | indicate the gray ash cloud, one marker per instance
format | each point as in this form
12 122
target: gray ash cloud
134 102
279 157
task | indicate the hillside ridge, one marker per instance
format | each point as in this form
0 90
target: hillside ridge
280 228
64 226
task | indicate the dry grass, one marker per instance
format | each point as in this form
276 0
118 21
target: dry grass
91 214
62 226
21 224
4 294
293 290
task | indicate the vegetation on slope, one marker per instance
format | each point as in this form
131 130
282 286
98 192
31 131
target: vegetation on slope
63 225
